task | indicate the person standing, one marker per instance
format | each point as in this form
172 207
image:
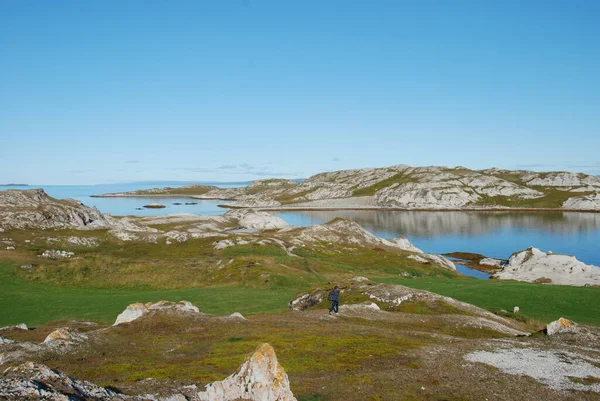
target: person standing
334 297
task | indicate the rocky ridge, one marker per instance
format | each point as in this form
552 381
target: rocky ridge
372 297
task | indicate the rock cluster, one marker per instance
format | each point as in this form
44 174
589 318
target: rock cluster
56 254
34 381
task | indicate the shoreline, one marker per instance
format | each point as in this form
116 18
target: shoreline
288 208
400 209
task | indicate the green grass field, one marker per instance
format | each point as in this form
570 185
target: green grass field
23 301
543 302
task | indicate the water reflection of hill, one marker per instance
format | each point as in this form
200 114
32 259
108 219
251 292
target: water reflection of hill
428 224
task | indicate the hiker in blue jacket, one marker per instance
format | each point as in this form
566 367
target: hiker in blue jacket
334 297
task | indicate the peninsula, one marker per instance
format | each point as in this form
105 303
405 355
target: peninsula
403 187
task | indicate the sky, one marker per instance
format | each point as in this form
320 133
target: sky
118 91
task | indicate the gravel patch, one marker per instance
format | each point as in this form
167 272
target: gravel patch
553 368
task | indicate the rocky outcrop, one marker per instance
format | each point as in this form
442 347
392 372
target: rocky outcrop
369 297
34 381
137 310
342 231
534 265
260 378
33 208
589 202
256 220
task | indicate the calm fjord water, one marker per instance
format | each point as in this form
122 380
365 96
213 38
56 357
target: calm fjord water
494 234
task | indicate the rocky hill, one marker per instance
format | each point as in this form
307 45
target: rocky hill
406 187
33 208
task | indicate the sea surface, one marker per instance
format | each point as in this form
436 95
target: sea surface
132 206
493 234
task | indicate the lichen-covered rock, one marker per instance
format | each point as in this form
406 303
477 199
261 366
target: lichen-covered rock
260 378
533 265
65 337
560 326
138 309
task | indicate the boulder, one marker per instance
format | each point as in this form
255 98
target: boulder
138 309
260 378
560 326
65 337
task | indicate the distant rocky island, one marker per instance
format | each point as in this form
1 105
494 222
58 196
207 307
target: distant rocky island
14 185
403 187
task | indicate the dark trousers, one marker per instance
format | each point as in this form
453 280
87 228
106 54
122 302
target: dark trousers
334 306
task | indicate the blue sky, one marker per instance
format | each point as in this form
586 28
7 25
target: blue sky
116 91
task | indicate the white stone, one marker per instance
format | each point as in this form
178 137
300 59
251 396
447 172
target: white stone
560 326
516 309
